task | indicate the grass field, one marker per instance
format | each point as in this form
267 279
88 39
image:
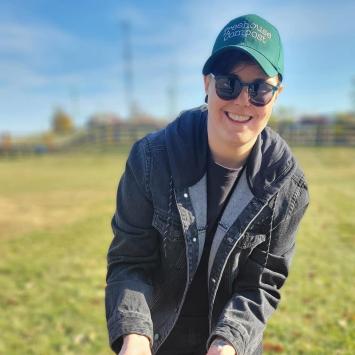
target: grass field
55 230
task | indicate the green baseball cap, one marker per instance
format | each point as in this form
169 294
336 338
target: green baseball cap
255 36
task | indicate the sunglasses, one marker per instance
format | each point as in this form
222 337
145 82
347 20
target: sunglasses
228 87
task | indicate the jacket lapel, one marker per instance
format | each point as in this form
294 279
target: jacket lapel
241 197
198 195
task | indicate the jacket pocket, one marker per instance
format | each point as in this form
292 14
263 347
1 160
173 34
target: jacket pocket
172 240
170 229
244 248
250 241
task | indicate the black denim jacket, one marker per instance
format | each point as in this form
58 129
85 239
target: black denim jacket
160 224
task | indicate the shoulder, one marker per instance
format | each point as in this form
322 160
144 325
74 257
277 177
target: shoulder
282 153
180 139
280 163
185 123
292 199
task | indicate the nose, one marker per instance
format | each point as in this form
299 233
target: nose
243 98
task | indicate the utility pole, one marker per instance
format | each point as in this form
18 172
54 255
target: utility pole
74 100
172 91
127 67
352 94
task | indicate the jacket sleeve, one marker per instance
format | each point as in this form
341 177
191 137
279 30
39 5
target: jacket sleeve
256 290
132 255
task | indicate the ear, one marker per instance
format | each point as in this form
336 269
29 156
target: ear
206 80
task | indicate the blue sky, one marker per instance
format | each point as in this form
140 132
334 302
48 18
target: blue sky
68 54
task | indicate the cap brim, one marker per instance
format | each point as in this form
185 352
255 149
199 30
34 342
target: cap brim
265 65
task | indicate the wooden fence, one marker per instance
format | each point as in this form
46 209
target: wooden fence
308 134
105 136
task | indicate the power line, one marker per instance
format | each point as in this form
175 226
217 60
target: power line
127 66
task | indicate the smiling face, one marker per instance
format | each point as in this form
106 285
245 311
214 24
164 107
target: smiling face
233 126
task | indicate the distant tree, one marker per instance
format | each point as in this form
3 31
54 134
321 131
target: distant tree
273 121
5 141
62 123
345 117
284 113
352 93
280 116
48 139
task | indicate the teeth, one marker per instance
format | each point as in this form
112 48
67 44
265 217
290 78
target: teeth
238 118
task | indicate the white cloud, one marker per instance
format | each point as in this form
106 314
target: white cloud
36 69
33 57
315 20
28 40
301 19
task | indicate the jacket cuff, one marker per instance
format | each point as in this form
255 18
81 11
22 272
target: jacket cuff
128 323
235 336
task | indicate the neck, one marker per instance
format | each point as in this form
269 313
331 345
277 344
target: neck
230 156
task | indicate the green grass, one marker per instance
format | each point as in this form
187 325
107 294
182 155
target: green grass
55 230
316 314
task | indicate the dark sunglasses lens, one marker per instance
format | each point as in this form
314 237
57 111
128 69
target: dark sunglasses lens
227 88
261 93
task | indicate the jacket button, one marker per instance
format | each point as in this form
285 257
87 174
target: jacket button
186 195
213 281
194 239
156 336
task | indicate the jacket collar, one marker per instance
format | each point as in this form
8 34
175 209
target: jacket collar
268 166
187 146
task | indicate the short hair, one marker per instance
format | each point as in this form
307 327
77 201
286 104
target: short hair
228 60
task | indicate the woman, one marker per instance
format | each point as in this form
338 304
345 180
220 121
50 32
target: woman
207 212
